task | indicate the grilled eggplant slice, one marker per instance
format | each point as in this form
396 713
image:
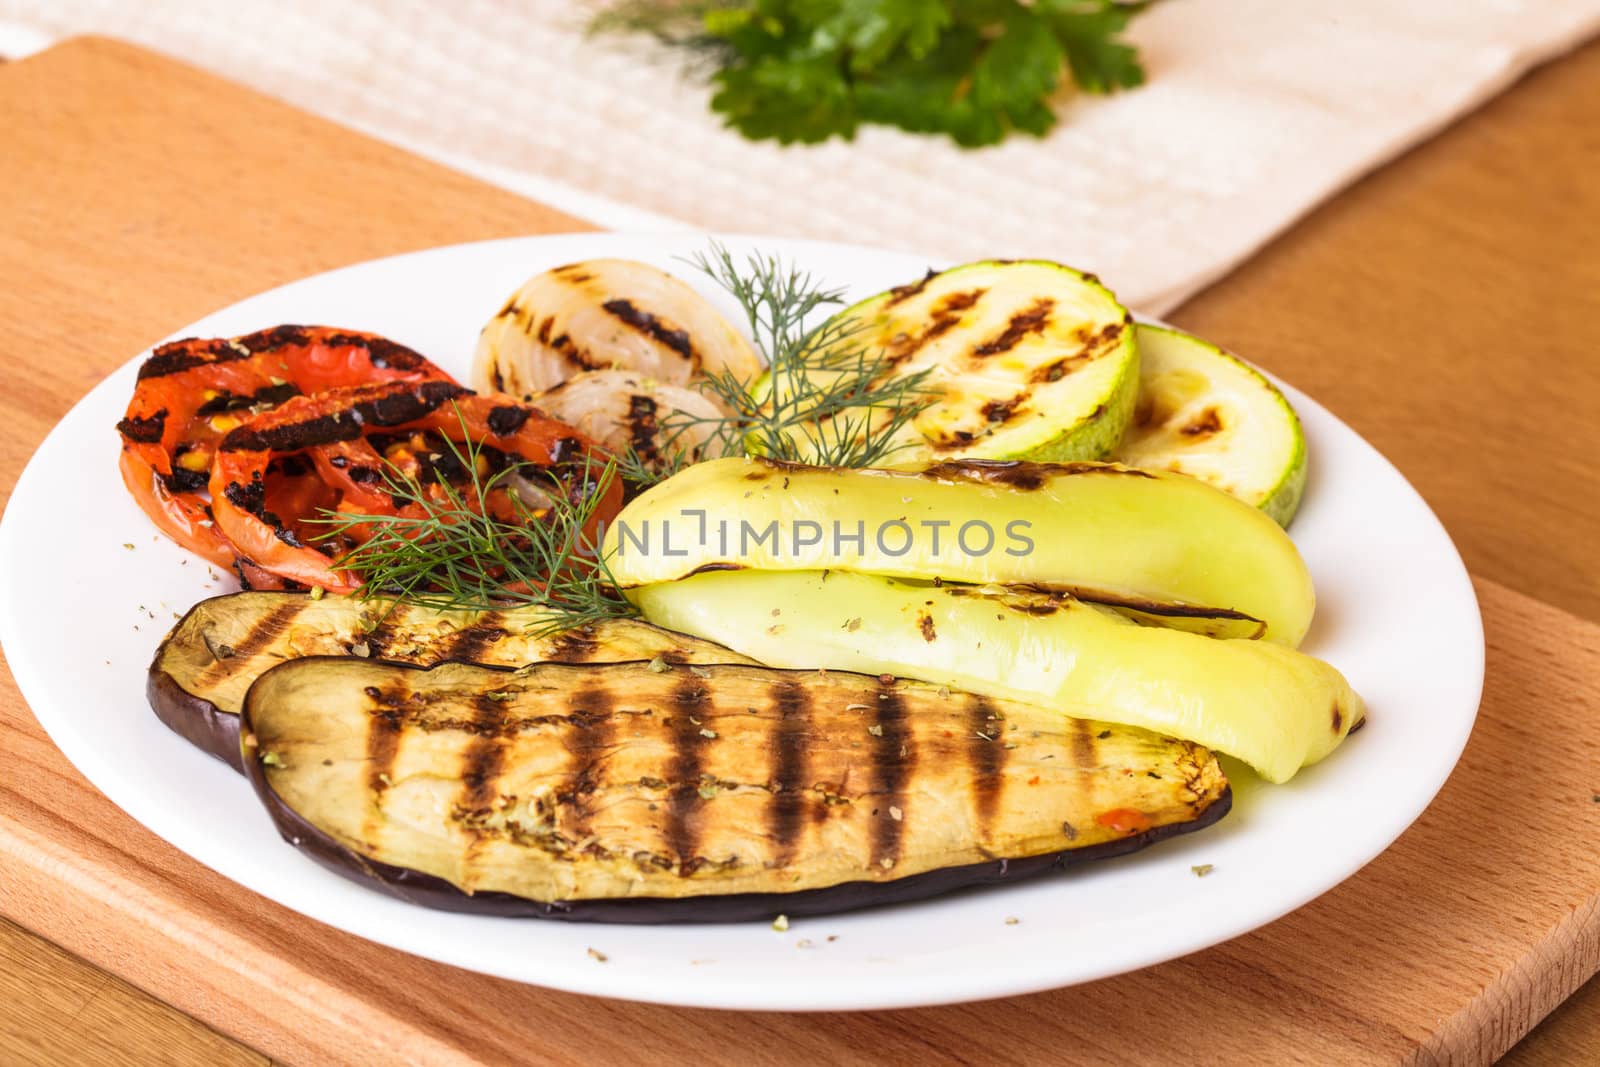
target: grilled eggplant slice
629 792
201 671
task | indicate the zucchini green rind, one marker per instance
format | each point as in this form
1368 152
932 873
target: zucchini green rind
1026 359
203 668
713 793
1205 413
1087 527
1272 707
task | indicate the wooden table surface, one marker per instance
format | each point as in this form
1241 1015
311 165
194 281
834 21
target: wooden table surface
1442 307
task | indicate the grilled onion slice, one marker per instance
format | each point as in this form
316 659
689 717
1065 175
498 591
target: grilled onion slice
606 313
624 410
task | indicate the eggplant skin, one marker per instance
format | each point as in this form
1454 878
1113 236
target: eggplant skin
430 891
201 671
630 793
194 718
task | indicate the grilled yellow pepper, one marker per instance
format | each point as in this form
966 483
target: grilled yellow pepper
1273 707
1086 528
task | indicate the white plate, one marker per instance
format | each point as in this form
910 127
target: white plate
80 615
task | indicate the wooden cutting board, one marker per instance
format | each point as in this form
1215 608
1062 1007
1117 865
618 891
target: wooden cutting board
137 194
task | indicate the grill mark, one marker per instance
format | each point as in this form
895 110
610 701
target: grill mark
1094 346
957 439
1205 424
398 404
958 301
642 427
262 633
507 419
483 760
1162 609
272 339
184 481
382 353
388 628
1012 473
271 395
469 642
1056 370
903 347
786 815
1002 410
383 751
482 763
651 326
945 316
191 352
987 760
593 728
569 348
147 430
891 771
1019 473
572 646
902 293
1085 754
1033 320
690 698
251 498
565 449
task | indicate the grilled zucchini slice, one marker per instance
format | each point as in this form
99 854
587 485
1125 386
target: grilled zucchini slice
1207 414
198 679
1097 528
1271 706
1028 359
714 793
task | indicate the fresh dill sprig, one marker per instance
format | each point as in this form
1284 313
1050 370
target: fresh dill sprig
828 397
457 555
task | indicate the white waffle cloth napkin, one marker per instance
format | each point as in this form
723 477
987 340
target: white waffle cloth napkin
1254 111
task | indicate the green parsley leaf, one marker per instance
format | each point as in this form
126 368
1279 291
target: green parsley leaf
1088 34
974 70
786 98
